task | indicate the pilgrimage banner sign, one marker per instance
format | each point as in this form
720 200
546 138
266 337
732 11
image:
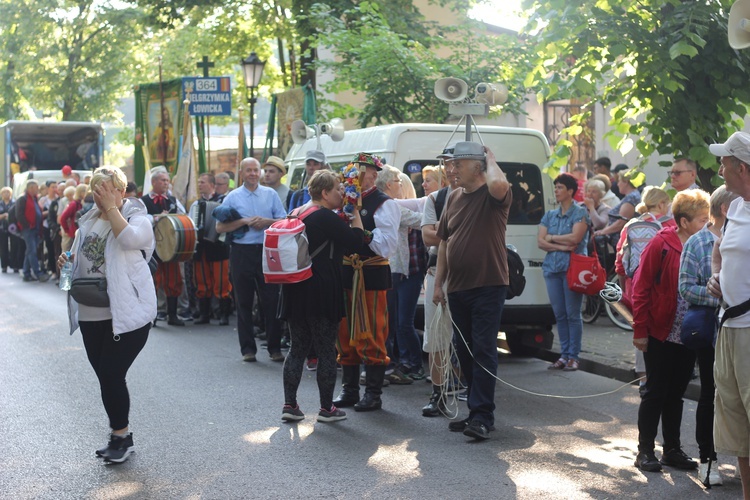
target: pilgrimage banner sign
158 123
208 96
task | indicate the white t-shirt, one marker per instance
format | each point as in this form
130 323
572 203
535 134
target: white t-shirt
735 256
91 264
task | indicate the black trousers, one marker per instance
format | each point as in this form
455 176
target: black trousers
17 251
111 360
668 370
49 244
246 268
704 415
5 249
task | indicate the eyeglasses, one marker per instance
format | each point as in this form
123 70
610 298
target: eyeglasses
676 173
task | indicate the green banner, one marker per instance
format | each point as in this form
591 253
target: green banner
158 122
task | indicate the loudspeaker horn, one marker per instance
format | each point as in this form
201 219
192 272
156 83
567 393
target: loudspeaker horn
493 94
451 89
301 132
738 27
334 129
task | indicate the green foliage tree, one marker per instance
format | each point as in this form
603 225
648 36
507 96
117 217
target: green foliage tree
70 59
396 71
663 67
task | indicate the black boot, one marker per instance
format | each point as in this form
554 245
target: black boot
204 306
349 387
374 375
172 318
436 404
225 307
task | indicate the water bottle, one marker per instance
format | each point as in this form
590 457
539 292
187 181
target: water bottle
66 274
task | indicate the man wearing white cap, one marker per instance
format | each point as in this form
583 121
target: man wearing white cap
314 161
273 170
473 262
731 283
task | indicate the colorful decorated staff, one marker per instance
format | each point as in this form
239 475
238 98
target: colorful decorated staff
352 174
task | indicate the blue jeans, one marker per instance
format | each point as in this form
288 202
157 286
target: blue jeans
566 305
476 313
30 260
407 289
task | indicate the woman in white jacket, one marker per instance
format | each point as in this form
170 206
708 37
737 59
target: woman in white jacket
114 242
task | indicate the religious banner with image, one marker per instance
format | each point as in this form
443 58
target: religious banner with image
158 122
290 107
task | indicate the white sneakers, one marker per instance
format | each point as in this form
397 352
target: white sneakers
710 477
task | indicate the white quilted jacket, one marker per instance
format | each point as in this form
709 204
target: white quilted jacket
130 287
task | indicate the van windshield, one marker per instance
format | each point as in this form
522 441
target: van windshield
525 183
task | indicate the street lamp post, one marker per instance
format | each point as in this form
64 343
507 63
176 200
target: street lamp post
252 68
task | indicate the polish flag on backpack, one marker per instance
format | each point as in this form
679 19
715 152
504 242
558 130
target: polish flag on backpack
286 257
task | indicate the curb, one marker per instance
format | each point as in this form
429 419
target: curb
692 392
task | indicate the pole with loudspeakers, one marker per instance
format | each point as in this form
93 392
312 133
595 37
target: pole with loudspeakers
302 132
454 91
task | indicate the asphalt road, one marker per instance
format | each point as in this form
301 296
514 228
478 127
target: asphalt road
207 426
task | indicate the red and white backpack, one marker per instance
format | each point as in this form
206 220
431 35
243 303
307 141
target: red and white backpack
286 257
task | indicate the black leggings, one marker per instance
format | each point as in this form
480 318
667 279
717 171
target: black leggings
704 415
111 360
321 333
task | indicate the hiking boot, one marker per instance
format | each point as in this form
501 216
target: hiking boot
119 448
291 413
435 407
647 462
332 415
678 459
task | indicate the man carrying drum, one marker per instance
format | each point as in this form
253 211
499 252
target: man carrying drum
168 276
211 260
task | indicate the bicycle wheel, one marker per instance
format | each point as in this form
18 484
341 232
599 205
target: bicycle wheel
612 313
591 308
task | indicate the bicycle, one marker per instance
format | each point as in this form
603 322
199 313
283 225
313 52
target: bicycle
592 305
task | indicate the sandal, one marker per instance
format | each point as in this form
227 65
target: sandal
558 365
571 366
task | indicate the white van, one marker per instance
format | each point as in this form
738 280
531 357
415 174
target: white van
521 153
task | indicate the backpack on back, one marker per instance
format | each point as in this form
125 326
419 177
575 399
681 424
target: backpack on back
638 234
517 281
286 257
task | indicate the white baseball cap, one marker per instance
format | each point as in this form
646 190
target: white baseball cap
738 145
